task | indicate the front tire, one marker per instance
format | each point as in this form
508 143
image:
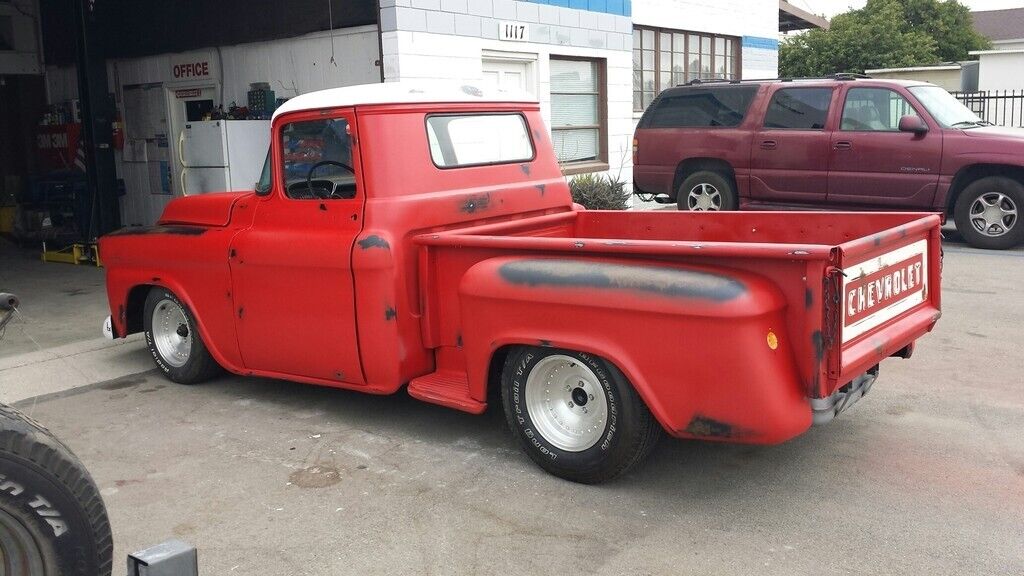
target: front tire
706 191
52 518
575 414
174 340
987 213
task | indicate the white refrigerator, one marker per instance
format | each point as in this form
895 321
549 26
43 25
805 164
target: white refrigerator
222 155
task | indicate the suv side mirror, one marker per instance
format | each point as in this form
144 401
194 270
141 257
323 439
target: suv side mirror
913 123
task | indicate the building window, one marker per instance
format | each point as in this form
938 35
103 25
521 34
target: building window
577 109
666 58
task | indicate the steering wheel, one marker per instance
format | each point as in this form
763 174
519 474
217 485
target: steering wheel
309 175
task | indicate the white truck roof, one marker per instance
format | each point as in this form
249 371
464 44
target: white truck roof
403 92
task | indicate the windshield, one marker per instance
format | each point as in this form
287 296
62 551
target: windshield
946 109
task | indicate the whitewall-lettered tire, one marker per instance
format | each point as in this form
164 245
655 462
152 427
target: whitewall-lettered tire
575 414
174 340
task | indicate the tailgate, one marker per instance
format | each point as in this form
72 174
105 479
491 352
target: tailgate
888 287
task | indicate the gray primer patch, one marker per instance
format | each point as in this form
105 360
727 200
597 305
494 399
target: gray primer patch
374 241
475 203
172 229
671 282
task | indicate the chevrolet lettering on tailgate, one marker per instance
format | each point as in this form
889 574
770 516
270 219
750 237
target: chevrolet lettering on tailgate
882 288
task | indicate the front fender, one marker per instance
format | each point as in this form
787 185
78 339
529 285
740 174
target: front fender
693 340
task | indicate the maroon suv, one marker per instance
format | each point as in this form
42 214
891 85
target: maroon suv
844 143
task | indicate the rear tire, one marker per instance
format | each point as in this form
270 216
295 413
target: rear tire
576 415
52 518
988 211
174 340
706 191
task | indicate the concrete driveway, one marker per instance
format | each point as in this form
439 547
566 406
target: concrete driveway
924 476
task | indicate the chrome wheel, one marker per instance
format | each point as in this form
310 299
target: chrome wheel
172 334
704 198
993 214
566 402
20 553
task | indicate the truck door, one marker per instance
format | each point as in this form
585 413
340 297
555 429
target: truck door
291 270
789 154
873 163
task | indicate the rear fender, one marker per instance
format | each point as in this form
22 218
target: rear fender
692 340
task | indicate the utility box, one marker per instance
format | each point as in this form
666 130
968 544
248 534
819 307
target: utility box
171 558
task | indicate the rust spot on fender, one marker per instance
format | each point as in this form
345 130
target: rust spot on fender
540 188
390 313
458 339
374 241
808 298
877 240
704 427
476 203
171 229
672 282
545 343
525 168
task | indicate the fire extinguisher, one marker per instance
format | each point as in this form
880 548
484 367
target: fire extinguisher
117 131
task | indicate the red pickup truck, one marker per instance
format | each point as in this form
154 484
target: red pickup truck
415 237
847 143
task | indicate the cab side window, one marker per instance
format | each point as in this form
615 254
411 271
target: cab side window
318 160
874 110
798 109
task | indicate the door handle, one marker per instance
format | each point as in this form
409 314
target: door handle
843 145
769 144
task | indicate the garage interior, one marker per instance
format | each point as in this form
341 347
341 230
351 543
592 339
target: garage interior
86 148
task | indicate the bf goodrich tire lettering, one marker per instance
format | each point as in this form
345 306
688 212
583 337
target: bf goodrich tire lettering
575 414
52 519
174 341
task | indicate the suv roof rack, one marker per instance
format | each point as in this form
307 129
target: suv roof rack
841 76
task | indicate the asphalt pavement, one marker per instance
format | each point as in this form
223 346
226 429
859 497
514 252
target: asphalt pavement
924 476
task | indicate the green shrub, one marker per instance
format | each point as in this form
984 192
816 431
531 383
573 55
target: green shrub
599 192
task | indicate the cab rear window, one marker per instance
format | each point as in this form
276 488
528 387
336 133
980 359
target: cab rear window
458 140
722 106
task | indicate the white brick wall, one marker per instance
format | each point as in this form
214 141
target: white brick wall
760 63
419 44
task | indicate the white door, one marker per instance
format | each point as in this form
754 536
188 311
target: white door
186 104
509 74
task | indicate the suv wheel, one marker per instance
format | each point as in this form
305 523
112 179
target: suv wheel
706 191
987 213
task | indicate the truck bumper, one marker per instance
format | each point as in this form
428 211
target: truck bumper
825 409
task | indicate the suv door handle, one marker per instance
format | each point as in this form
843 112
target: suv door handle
769 145
843 145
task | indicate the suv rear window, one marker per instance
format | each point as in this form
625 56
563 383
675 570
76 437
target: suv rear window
798 109
701 107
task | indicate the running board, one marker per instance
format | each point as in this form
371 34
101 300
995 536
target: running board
447 388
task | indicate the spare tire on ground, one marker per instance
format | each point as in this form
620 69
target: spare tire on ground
52 518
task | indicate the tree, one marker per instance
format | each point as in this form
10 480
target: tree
883 34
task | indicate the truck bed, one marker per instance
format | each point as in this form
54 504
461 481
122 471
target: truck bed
813 260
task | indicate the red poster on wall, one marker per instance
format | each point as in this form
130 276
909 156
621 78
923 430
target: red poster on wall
58 147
